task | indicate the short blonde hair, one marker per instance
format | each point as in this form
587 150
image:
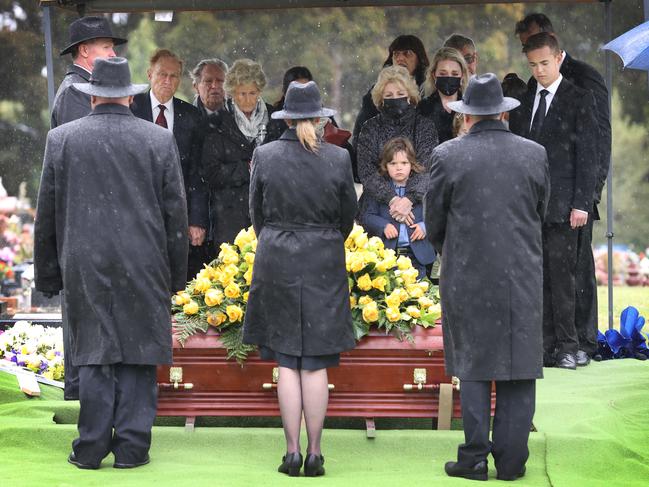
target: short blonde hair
399 75
242 72
445 54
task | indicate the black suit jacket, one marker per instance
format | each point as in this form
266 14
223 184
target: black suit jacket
586 77
189 139
570 137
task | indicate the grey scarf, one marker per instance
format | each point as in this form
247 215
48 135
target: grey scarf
254 128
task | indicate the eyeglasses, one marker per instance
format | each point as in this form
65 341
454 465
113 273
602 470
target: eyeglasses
405 52
470 58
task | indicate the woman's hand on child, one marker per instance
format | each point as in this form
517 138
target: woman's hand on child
418 234
390 232
401 209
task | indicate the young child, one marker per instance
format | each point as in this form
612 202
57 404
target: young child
397 162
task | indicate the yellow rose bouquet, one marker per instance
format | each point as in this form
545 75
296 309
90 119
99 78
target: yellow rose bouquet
384 292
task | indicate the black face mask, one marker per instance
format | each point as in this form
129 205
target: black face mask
448 85
395 107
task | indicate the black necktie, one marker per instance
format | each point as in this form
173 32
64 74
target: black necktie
539 116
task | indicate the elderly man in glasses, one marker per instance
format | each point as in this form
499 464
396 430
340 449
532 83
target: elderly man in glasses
466 46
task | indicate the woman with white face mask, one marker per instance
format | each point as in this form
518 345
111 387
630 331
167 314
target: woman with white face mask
395 95
446 79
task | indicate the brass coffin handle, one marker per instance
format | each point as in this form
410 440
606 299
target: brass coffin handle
176 380
419 382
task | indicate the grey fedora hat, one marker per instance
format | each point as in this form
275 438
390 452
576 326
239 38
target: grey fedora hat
484 96
302 101
88 28
111 78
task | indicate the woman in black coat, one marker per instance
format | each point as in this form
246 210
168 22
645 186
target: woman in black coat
407 51
396 96
234 132
446 79
302 203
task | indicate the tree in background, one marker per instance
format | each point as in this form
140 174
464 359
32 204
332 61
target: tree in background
344 48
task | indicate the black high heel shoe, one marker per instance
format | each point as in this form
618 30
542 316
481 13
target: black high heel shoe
291 464
313 465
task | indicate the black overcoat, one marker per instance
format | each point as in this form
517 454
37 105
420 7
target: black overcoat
484 210
225 168
69 103
188 132
111 230
302 207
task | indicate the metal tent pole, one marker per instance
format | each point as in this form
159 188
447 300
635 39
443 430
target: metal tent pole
47 31
609 178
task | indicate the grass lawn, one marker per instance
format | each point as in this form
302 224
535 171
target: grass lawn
623 296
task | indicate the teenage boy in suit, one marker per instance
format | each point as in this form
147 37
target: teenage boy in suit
561 117
584 76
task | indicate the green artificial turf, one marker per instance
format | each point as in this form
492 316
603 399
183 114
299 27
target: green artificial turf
593 430
623 296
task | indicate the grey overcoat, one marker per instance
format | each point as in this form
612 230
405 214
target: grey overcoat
302 206
484 209
111 230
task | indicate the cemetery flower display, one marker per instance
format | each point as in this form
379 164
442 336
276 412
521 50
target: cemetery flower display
35 347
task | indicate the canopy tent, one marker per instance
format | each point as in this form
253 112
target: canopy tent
85 7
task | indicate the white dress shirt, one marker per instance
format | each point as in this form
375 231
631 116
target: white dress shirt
168 113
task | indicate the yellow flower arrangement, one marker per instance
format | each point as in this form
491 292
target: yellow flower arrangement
384 292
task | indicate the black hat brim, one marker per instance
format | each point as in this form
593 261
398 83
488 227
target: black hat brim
118 41
109 91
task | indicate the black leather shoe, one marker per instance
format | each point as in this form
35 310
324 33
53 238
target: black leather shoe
512 477
291 464
477 472
566 361
132 465
549 360
86 466
582 358
313 465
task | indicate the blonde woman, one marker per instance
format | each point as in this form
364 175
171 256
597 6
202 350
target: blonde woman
396 96
234 132
302 205
446 80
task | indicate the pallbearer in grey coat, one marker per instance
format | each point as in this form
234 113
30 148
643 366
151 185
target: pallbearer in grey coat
484 208
302 204
111 230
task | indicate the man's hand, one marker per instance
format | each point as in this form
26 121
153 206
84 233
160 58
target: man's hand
390 232
401 210
578 218
196 235
418 234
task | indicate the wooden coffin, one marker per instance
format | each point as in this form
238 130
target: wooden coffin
381 377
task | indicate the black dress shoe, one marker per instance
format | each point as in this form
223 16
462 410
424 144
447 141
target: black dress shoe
477 472
132 465
512 477
549 360
86 466
291 464
582 358
566 361
313 465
